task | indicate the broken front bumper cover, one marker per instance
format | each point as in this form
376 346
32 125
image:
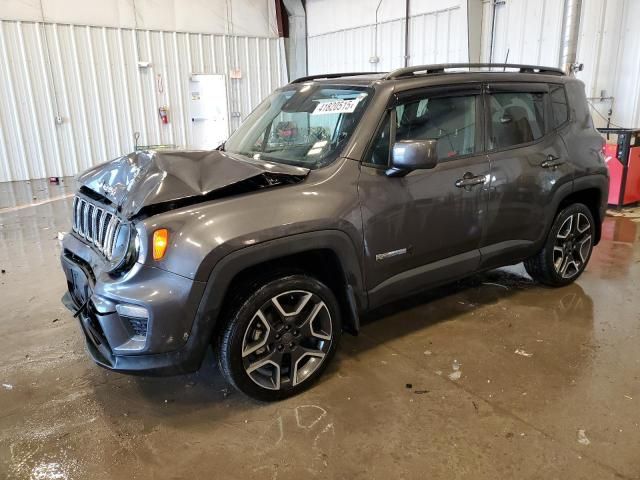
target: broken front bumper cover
170 363
138 323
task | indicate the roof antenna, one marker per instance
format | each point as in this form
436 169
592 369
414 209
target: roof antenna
505 60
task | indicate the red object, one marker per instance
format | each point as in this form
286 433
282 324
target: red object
623 162
615 172
55 180
164 114
632 190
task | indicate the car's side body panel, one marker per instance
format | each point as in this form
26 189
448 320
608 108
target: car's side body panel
202 234
420 218
583 142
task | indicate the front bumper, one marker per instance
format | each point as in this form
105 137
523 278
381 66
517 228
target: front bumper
158 342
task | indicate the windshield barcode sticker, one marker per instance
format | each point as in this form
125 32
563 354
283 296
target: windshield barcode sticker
336 106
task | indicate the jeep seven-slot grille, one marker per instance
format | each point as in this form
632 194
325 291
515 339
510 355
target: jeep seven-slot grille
96 225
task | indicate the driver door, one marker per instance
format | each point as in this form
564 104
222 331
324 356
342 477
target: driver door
425 228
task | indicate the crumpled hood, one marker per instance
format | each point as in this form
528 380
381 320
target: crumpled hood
152 177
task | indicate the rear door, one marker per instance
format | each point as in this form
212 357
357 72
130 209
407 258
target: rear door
528 165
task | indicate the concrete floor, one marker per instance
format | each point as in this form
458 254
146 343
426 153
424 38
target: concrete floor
494 377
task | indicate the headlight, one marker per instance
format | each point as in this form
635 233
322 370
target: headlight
125 250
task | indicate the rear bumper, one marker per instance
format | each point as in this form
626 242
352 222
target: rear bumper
158 341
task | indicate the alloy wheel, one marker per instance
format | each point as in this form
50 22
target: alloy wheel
287 340
573 244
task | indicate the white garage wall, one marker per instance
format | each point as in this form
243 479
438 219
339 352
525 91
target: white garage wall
89 76
102 95
529 30
342 35
230 17
608 47
342 38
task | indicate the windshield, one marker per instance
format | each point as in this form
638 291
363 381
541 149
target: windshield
303 125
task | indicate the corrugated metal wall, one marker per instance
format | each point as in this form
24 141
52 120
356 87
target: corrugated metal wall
528 30
434 37
89 77
608 47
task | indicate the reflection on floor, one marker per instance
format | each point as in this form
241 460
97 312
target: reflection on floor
21 194
508 380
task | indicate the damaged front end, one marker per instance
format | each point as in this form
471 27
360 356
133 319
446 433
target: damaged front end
151 178
121 300
114 195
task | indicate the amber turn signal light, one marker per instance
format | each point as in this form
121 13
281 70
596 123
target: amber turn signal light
160 243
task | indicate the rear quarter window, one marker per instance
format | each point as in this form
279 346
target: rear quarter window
559 105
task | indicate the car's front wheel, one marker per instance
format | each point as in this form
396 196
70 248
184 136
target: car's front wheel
280 337
567 249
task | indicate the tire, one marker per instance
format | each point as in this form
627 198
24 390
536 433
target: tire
280 337
567 249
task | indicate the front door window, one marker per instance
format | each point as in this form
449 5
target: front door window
449 120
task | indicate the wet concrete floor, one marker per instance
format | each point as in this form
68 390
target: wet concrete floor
493 377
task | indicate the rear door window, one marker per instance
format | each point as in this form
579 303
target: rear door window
516 118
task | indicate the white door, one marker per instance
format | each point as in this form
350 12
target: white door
208 110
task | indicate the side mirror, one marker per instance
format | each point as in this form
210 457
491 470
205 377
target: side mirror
408 155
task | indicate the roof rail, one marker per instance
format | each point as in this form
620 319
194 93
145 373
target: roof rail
440 68
331 75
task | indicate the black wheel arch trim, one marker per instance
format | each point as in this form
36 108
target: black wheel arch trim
586 182
563 191
601 183
235 262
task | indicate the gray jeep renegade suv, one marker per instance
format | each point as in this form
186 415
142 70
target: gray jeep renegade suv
338 194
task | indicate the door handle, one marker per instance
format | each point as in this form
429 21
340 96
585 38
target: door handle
552 162
469 180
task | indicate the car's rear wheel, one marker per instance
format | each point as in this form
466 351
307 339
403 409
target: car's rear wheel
280 338
567 250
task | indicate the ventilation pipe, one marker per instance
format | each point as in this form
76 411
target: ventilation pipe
474 29
406 32
569 39
296 44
